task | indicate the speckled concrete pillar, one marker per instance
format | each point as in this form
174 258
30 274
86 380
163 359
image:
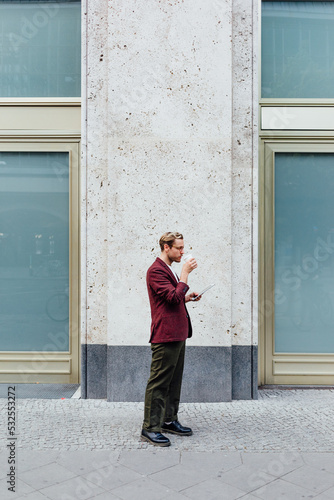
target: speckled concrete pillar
169 127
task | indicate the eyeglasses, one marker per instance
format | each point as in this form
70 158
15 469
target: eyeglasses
178 248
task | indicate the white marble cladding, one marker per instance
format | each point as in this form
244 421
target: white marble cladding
161 115
244 173
94 173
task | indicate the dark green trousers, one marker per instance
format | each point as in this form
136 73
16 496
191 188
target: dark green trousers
163 389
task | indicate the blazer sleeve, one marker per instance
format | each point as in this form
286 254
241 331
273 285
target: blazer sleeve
162 286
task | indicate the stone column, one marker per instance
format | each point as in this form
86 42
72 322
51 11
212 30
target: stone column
165 109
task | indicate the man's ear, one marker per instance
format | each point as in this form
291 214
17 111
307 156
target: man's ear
166 247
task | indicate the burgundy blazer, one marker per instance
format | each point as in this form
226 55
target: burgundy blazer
170 318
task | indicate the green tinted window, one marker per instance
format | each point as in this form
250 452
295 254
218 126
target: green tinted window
40 49
297 50
34 251
304 252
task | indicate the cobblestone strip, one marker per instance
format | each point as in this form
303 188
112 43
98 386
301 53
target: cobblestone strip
290 420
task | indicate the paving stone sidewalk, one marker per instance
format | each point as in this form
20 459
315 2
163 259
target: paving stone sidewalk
279 447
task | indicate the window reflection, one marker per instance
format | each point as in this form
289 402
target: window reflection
304 253
34 251
297 58
40 49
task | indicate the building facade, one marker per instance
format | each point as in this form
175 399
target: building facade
211 118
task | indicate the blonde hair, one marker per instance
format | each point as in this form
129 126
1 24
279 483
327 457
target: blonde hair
169 238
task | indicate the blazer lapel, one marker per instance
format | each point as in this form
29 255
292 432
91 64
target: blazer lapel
164 265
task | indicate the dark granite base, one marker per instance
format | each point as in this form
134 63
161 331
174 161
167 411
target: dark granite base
128 371
93 371
244 372
255 367
207 375
211 374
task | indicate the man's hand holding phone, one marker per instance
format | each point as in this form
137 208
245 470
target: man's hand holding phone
193 296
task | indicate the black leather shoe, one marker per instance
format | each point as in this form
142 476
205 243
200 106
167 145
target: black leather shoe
155 438
176 428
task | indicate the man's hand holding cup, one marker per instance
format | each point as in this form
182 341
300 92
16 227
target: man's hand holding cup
189 263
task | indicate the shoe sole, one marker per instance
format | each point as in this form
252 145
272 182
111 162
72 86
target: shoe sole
143 438
177 433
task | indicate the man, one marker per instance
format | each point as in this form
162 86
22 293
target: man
170 328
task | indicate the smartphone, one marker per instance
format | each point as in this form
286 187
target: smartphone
203 291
